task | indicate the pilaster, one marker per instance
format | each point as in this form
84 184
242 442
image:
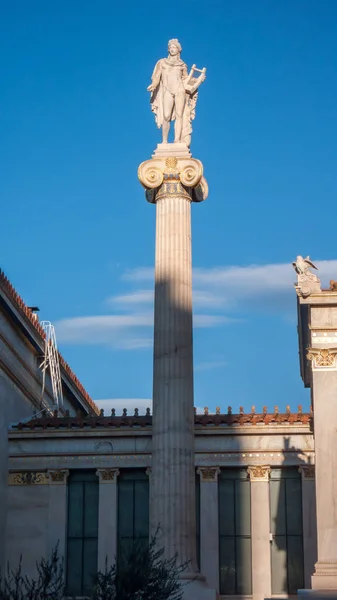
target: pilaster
209 524
260 524
107 517
324 388
309 521
317 327
58 511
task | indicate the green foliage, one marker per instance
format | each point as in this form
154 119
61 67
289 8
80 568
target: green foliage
48 585
143 574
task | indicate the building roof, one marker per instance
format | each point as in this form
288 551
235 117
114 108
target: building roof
31 320
136 420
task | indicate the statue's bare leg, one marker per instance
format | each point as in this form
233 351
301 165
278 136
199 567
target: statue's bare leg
168 103
180 105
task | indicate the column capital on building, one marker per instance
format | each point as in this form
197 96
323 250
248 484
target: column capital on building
259 473
208 474
307 471
57 476
107 475
148 472
323 359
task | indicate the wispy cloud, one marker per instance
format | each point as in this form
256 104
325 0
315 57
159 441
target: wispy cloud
118 331
133 298
124 332
219 294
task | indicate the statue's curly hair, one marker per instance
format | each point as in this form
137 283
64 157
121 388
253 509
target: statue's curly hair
176 43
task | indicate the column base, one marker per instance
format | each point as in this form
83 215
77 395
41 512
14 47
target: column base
325 576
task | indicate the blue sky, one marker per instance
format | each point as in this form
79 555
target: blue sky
77 236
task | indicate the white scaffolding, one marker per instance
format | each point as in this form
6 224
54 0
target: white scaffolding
51 361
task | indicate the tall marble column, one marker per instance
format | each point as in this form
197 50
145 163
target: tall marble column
209 524
172 184
58 511
260 524
309 521
107 517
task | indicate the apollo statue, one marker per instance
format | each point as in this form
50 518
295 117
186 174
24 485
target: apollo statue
174 94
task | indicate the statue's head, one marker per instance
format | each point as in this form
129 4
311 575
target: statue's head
174 47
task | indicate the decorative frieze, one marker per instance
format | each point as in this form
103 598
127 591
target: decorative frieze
323 359
208 474
307 471
107 475
58 477
259 473
28 478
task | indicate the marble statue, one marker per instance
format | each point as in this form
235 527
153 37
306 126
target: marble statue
307 283
174 94
302 265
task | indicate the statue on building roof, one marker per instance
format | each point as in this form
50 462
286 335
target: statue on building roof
174 94
307 282
302 265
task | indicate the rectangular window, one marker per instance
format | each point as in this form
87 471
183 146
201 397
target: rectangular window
82 534
133 510
235 532
286 526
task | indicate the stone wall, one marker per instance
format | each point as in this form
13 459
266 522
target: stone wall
27 525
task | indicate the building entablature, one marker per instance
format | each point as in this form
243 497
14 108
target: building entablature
67 443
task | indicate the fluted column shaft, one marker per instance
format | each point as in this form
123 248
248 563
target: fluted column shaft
173 471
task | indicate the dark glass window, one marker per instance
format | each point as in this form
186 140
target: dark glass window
133 510
197 515
82 532
235 532
286 527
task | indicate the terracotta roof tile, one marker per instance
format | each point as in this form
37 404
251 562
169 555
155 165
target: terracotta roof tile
12 293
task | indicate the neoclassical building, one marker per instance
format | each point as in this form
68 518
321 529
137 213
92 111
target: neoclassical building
83 479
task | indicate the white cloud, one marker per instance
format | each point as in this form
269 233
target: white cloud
211 320
119 331
133 298
222 286
215 289
125 332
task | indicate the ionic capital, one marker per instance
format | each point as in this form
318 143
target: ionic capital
107 475
208 474
323 359
58 477
170 176
260 473
307 471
